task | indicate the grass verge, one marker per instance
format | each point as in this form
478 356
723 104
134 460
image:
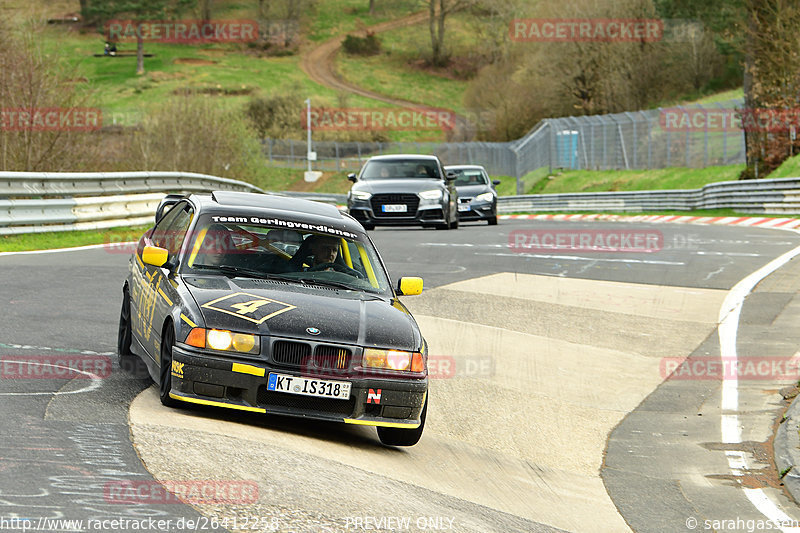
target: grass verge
69 239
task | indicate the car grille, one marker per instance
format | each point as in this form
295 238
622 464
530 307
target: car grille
464 200
269 399
298 354
291 353
331 357
411 201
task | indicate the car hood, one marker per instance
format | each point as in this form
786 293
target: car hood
283 309
403 185
472 190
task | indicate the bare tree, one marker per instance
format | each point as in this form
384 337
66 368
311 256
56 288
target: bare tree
771 83
205 9
438 11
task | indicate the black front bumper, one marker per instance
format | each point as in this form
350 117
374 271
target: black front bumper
241 384
423 216
478 211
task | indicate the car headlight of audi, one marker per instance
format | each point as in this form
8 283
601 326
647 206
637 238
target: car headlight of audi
432 197
361 195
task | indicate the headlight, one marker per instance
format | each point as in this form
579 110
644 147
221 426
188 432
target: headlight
393 360
485 197
435 194
224 340
362 195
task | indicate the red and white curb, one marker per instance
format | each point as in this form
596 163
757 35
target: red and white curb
763 222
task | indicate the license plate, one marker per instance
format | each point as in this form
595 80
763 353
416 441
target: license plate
394 208
463 207
323 388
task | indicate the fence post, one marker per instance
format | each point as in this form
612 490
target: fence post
634 139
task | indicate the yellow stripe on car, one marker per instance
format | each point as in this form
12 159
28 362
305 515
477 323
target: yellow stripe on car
188 320
199 242
164 296
367 266
248 369
346 254
216 404
381 424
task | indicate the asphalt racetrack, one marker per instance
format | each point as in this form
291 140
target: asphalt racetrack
550 407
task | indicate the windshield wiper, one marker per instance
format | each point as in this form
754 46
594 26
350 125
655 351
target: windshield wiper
313 281
235 271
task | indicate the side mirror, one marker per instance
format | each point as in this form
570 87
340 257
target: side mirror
450 176
155 256
409 286
496 182
351 177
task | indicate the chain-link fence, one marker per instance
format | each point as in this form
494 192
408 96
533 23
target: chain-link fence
683 136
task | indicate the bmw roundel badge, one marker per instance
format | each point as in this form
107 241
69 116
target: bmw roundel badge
313 331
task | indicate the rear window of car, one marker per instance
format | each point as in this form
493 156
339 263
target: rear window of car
419 168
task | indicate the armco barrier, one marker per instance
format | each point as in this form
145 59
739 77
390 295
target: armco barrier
69 184
778 196
32 202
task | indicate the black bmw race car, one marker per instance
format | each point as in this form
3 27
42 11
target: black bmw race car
274 305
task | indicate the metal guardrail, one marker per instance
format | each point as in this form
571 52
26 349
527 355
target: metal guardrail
69 184
33 202
776 196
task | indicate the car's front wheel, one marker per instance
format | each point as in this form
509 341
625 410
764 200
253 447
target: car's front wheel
165 370
493 221
404 437
124 332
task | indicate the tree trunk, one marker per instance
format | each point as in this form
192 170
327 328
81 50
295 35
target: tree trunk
206 10
440 36
84 11
139 52
432 26
371 7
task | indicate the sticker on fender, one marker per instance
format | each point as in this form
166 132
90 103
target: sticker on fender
324 388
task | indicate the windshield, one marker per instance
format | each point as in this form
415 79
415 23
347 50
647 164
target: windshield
414 168
469 176
275 252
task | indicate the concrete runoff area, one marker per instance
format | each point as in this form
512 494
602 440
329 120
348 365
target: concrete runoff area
513 445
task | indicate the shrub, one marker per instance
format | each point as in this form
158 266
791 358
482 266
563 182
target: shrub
363 46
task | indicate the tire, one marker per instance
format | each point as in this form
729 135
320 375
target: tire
404 437
493 221
165 370
129 362
455 224
124 334
369 227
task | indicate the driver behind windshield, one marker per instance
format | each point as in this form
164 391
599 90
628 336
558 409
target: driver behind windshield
324 249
